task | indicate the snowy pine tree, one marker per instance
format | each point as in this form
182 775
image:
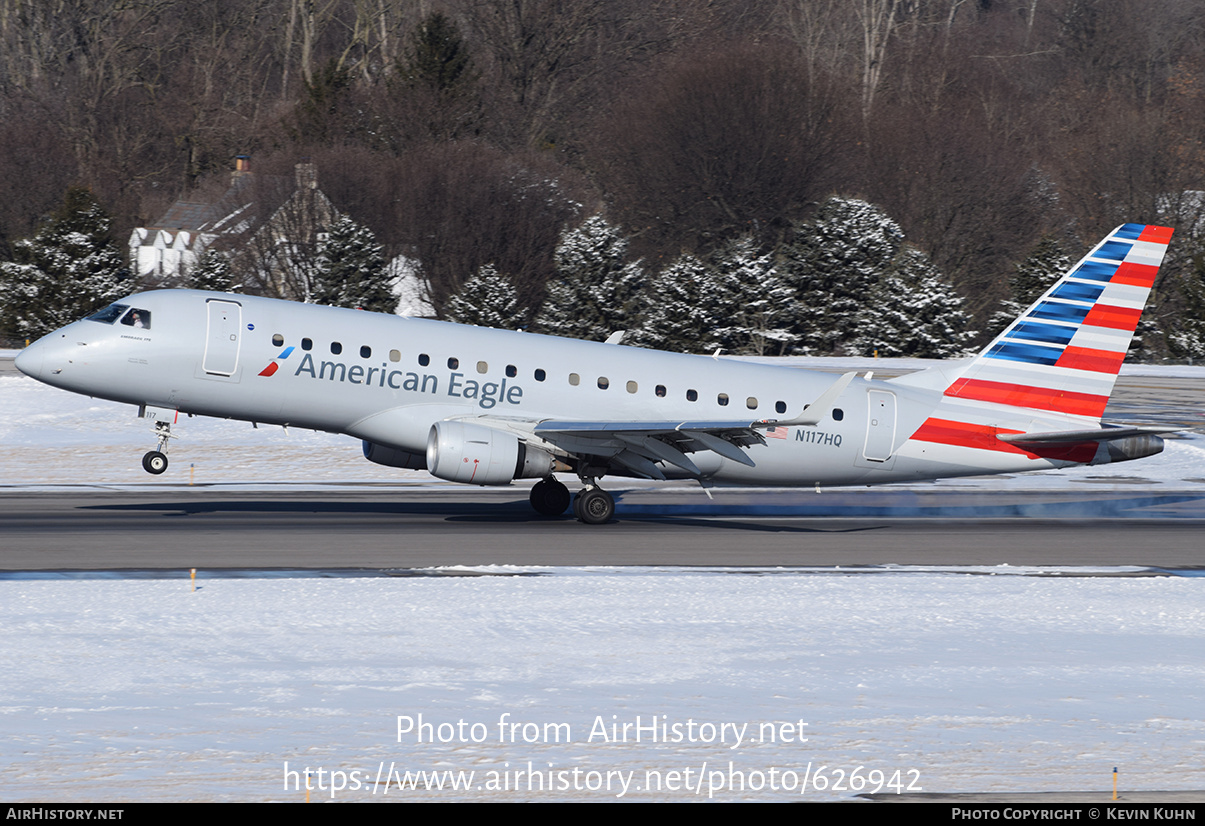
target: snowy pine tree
833 264
351 271
1150 342
1187 340
1030 279
212 272
487 300
438 58
68 270
913 311
595 290
684 306
753 301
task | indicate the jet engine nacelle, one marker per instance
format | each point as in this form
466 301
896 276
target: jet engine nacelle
392 457
476 455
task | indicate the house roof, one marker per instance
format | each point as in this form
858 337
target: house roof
186 215
214 216
249 201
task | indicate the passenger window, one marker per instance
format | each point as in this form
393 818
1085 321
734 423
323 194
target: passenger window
336 348
575 379
692 395
632 388
395 355
603 382
511 371
307 344
540 375
365 351
751 402
838 414
660 391
453 363
483 367
780 407
138 318
423 359
722 399
278 340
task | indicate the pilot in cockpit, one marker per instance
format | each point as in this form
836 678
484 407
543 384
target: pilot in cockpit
133 319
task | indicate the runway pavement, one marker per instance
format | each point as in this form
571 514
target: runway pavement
153 526
394 529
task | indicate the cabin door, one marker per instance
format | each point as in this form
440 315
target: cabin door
880 426
222 337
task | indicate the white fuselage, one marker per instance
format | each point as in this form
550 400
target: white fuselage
387 380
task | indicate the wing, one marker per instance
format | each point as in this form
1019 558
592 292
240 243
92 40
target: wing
639 446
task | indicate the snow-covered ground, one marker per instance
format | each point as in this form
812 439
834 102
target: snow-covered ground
975 680
145 690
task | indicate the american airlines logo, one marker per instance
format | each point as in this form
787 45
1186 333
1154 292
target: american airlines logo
274 365
484 394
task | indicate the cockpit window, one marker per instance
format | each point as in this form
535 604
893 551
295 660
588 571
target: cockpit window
138 318
109 314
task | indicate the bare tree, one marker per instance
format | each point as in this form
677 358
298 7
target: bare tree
879 19
726 142
549 61
458 207
825 32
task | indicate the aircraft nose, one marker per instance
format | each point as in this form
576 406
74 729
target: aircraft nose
29 361
47 357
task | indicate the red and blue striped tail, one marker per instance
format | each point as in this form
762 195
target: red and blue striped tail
1063 354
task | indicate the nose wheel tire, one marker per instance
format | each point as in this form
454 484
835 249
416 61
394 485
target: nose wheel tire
594 506
154 462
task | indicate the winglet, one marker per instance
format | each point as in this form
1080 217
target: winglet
818 409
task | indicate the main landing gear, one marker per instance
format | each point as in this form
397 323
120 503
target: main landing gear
155 461
549 497
592 505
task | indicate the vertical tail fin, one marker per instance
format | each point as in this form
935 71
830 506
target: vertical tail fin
1063 354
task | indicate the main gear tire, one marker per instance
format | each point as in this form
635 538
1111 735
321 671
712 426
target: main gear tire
549 497
595 506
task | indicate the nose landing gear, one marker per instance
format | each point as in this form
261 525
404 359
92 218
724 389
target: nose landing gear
155 461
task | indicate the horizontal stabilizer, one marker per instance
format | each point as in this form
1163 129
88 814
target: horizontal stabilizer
1107 434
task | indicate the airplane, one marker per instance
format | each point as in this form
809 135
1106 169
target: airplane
486 407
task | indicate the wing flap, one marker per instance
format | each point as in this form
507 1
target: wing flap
650 446
639 445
